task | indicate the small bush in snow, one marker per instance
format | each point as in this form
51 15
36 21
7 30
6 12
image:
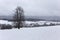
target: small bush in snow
6 26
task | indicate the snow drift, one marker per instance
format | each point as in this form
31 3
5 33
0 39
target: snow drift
37 33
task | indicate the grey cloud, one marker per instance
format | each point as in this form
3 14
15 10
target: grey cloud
31 7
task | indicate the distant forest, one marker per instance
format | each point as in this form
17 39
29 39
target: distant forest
33 18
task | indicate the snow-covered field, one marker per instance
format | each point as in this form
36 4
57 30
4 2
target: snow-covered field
32 23
41 23
37 33
5 22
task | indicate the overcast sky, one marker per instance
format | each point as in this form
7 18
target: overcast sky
31 7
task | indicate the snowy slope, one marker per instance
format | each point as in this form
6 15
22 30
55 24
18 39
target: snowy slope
5 22
31 23
37 33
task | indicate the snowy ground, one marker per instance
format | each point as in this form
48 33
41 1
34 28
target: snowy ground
5 22
37 33
31 23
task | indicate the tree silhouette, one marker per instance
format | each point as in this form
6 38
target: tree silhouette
19 17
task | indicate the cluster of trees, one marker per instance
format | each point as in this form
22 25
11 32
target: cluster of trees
4 26
19 17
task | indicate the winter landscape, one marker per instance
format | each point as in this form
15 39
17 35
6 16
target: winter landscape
29 19
36 33
28 24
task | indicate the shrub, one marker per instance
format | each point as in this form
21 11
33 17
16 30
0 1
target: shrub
6 26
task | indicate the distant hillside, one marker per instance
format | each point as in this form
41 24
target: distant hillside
33 18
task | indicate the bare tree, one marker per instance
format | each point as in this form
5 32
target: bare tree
19 17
